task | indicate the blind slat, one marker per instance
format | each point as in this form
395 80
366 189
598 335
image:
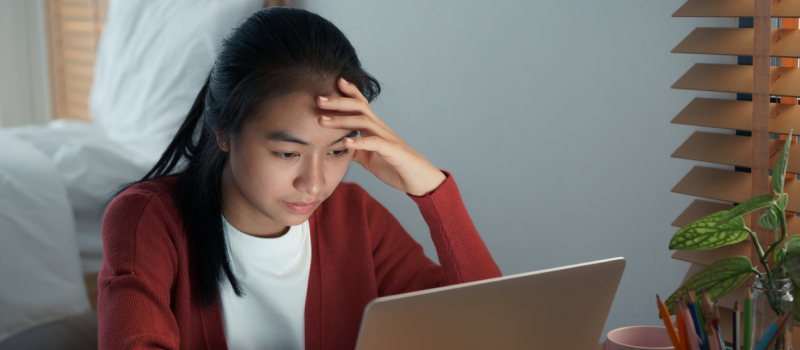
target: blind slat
77 108
736 115
75 12
727 185
78 26
702 208
738 79
79 84
77 97
787 44
738 42
79 56
734 8
79 70
717 148
787 82
78 42
717 77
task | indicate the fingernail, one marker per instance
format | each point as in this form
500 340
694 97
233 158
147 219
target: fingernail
348 140
326 117
323 98
345 81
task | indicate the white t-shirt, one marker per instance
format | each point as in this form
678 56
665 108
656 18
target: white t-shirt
273 273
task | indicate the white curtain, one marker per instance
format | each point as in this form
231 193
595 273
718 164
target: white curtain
24 85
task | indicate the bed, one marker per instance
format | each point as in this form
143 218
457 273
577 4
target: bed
56 179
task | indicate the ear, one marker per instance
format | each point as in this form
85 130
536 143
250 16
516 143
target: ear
223 140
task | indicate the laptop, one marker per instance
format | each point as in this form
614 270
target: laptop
559 308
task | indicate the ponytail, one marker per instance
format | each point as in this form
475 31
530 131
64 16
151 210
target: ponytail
198 198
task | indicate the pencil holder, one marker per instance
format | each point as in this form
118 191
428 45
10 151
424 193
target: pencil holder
770 302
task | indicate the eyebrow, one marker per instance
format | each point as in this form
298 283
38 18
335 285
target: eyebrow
283 136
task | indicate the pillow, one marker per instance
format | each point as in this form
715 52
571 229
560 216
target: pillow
92 168
40 269
152 60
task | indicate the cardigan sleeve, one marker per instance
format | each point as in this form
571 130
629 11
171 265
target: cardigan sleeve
400 263
136 276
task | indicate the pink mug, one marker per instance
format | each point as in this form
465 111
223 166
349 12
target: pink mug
638 338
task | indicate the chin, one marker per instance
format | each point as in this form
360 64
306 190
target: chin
294 219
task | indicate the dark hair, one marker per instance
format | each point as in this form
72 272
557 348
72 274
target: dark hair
274 52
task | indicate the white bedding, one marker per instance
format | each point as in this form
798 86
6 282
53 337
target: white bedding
92 167
40 268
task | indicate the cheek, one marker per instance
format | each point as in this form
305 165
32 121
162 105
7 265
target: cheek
258 176
336 171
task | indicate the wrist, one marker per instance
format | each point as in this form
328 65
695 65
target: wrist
435 181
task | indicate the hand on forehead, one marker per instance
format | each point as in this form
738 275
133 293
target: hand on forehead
296 116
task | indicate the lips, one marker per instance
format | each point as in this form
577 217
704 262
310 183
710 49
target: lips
301 207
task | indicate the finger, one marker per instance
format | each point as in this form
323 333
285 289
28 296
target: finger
350 90
344 104
387 150
357 122
349 105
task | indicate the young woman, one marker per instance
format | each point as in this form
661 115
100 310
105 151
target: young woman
243 235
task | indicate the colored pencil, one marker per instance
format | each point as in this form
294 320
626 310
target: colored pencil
692 340
701 320
694 304
691 300
706 306
781 330
683 335
715 323
772 332
737 326
662 309
680 320
747 315
708 313
713 338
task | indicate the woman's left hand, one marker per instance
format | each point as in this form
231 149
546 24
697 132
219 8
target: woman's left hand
379 149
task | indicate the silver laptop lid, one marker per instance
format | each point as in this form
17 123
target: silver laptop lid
559 308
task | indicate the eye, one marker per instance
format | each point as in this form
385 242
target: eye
284 155
340 152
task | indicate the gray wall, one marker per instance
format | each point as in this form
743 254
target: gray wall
554 118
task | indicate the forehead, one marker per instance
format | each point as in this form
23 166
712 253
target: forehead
296 114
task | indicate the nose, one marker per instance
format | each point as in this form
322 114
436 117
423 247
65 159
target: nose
311 179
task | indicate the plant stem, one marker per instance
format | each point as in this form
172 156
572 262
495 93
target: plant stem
784 234
761 255
782 219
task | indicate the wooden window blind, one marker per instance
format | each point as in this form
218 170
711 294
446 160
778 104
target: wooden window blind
74 28
766 122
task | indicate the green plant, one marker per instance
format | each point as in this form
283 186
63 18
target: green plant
727 227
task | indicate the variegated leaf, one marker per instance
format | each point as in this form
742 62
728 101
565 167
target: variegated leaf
708 233
717 279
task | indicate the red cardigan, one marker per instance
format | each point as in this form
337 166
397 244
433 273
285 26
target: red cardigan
359 252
